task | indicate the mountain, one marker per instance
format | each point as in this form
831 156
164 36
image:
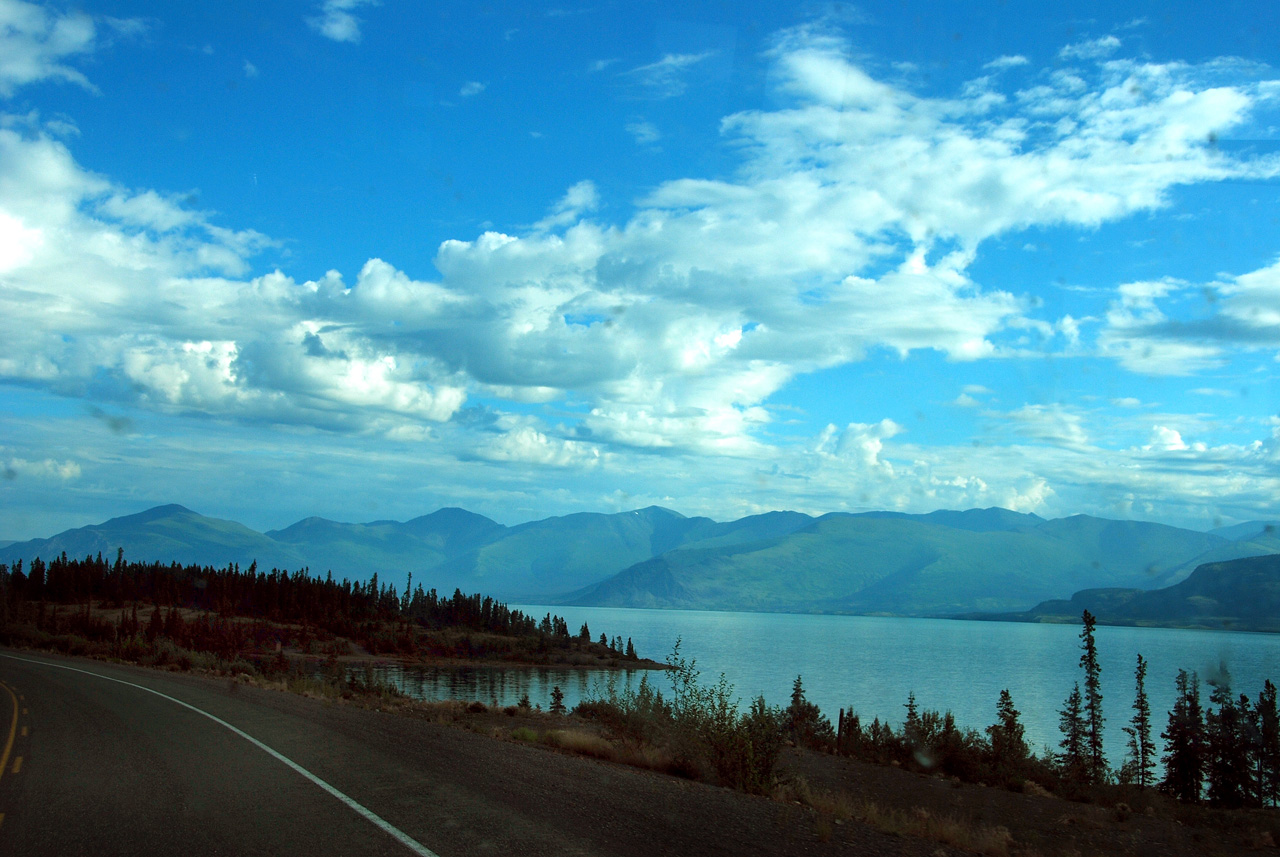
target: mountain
553 556
1241 594
941 563
164 534
387 547
936 564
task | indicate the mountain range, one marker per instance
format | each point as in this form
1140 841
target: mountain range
941 563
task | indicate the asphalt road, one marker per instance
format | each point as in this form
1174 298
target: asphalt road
102 767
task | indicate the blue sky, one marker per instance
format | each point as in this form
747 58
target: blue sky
363 260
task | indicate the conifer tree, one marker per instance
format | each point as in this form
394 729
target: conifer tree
1095 760
1142 752
1184 742
1008 742
1226 756
1072 760
557 700
1267 754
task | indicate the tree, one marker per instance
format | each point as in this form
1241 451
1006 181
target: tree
631 650
1184 742
1227 746
1267 753
1008 743
557 700
1095 760
1141 763
1072 760
804 722
584 634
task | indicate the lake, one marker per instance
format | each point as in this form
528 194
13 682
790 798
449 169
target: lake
872 663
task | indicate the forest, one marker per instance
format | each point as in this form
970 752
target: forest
132 610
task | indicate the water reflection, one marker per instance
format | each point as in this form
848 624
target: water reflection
502 686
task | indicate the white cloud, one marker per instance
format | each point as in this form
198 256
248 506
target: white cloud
470 88
336 20
45 469
665 78
1165 439
1006 62
527 445
250 70
851 224
645 133
34 44
1092 49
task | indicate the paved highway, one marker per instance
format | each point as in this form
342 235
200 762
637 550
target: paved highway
101 759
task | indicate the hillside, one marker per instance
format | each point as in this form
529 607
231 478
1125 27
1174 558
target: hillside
1239 595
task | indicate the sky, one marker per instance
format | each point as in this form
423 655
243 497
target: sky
365 259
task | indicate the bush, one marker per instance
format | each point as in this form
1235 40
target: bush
700 731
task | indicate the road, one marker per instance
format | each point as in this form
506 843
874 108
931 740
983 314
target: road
102 759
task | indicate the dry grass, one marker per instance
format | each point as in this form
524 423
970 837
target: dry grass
582 743
838 807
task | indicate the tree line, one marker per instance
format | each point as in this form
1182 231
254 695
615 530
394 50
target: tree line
375 615
1226 753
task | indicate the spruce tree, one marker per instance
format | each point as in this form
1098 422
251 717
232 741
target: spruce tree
1095 760
557 700
1072 761
1267 754
1226 756
1142 752
1008 744
1184 742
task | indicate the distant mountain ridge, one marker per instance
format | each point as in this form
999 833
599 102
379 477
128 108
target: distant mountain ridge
940 563
1239 595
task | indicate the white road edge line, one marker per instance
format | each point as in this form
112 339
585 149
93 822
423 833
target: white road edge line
404 838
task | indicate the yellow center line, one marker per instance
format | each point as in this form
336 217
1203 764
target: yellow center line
13 730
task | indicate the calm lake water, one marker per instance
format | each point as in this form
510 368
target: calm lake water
872 663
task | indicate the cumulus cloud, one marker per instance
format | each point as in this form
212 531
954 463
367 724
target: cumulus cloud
850 225
1150 329
35 44
336 20
45 469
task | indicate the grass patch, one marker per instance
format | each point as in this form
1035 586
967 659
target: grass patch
838 807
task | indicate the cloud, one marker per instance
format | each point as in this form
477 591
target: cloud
1091 49
250 70
470 88
665 78
1006 62
645 133
849 226
34 44
336 20
1151 329
47 469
